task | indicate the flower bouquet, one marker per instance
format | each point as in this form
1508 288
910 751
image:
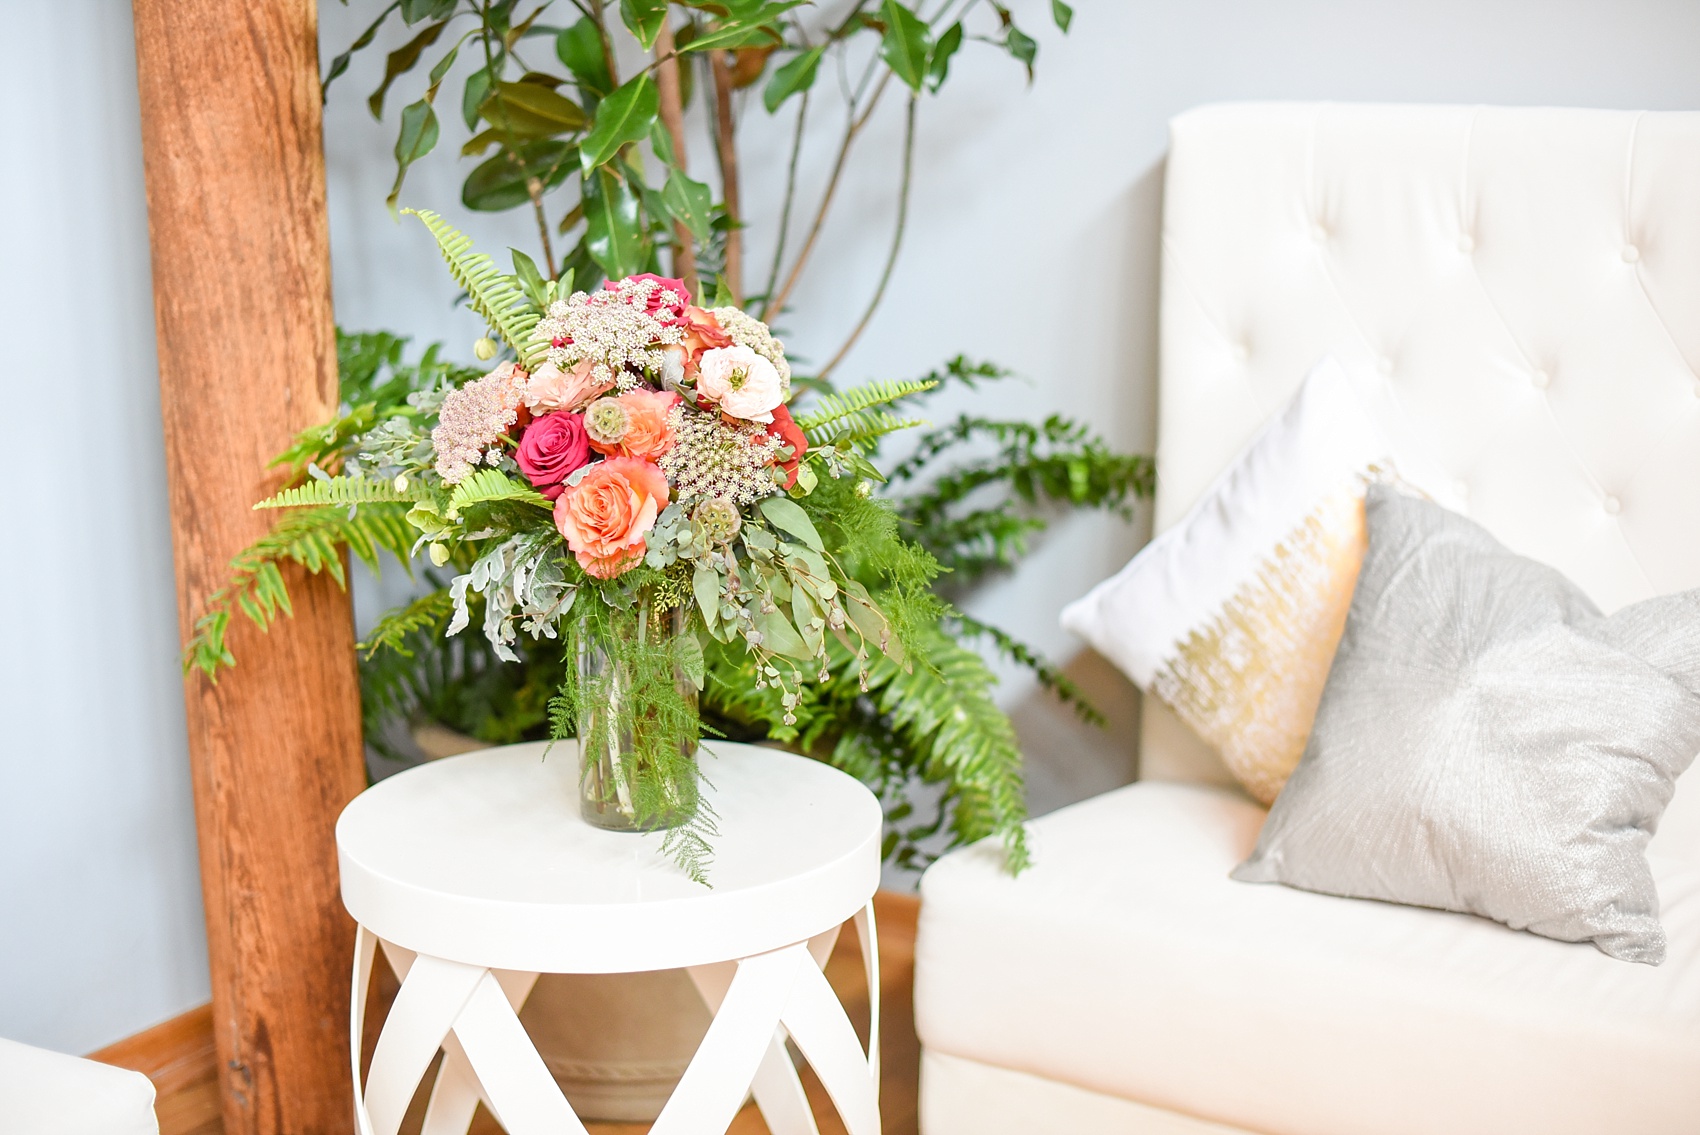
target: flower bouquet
630 483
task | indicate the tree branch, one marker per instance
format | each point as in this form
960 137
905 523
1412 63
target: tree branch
896 241
673 118
785 209
777 303
720 64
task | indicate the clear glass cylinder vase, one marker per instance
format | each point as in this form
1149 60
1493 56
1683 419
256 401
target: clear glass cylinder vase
637 722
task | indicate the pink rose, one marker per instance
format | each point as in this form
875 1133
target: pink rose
551 388
552 448
604 517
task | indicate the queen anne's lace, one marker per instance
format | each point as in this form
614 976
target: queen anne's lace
748 331
472 418
712 459
613 329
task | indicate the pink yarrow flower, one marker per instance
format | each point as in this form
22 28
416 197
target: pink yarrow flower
473 417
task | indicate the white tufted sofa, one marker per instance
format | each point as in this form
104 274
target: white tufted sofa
1519 290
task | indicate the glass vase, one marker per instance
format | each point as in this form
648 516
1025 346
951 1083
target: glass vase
637 722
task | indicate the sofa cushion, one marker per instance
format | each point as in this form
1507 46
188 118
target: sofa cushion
1127 962
49 1093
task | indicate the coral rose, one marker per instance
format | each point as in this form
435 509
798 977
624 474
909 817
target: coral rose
743 383
551 388
702 333
604 517
552 447
647 433
785 428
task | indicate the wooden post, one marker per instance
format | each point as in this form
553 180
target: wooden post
247 356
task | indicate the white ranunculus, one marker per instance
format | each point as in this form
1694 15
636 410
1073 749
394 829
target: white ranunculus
743 383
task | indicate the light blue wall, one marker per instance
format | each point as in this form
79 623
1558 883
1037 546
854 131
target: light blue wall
1033 242
100 906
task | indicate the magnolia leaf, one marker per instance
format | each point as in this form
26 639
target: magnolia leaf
413 11
417 138
689 202
531 281
402 60
938 65
662 143
612 237
797 75
531 110
622 118
1021 45
340 63
502 182
789 516
579 48
1062 14
643 19
473 95
906 43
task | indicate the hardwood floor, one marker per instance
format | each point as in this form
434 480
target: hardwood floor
178 1055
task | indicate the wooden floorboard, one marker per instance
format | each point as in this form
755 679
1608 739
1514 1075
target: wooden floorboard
178 1055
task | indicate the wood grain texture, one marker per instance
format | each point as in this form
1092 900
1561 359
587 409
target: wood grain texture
247 357
181 1059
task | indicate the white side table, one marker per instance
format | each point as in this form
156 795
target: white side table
475 874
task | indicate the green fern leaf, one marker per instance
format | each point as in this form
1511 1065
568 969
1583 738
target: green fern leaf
832 409
343 490
488 485
428 612
498 298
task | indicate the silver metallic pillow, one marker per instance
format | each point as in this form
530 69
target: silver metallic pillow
1488 742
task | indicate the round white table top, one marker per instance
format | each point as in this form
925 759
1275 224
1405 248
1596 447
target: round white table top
484 859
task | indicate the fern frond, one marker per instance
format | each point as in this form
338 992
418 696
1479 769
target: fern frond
862 428
343 490
831 409
310 537
428 612
485 486
496 297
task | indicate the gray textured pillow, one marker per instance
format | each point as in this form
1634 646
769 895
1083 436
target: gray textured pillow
1488 742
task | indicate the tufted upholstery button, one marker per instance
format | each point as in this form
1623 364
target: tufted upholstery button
1540 380
1384 365
1466 243
1631 254
1319 232
1612 505
1241 352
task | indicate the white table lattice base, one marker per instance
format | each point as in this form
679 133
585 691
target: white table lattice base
471 1013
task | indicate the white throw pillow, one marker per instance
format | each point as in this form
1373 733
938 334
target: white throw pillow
1232 615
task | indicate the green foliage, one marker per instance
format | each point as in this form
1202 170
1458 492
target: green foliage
498 298
398 627
342 490
856 416
312 538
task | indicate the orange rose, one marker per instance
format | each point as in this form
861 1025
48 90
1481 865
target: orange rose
604 517
647 433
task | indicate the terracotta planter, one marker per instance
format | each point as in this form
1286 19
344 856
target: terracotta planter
616 1043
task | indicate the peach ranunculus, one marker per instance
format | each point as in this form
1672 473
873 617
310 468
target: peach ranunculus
604 517
647 435
702 333
552 388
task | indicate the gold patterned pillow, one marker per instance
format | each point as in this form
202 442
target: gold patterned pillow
1231 617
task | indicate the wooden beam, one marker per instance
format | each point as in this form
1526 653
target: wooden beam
247 356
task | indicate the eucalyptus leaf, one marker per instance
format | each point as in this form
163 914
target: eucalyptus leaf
417 138
622 118
788 516
705 585
689 202
780 637
905 44
402 60
797 75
